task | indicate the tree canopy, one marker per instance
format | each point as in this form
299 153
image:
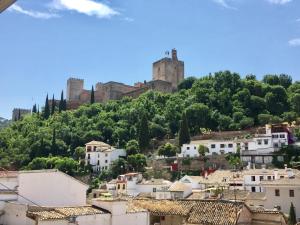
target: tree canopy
218 102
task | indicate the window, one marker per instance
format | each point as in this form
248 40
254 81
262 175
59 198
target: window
222 152
105 167
275 136
154 189
106 161
281 177
275 145
259 142
253 189
269 178
187 148
89 156
213 146
95 148
105 154
95 195
195 147
292 193
222 145
266 141
119 186
261 178
230 145
252 178
98 162
277 192
282 136
123 186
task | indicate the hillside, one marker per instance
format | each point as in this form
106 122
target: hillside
223 101
3 123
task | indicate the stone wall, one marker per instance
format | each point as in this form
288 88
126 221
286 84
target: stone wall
74 88
19 112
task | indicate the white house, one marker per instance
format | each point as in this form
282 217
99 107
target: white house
214 147
258 149
50 188
101 155
253 178
280 193
133 184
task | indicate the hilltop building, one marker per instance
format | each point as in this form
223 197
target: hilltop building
167 74
19 113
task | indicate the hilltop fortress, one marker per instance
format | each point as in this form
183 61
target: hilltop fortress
167 73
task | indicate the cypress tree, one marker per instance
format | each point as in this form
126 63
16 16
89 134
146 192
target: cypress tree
53 143
34 110
53 105
292 215
143 132
61 102
184 133
47 108
92 95
65 105
38 110
19 114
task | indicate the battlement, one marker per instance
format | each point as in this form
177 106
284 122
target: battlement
75 79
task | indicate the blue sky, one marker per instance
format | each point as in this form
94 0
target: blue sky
44 42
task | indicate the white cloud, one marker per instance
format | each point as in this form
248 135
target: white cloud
34 14
279 2
294 42
128 19
87 7
298 20
224 3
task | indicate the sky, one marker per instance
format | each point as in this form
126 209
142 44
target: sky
43 43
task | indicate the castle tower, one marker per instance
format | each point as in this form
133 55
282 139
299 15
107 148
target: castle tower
74 88
169 69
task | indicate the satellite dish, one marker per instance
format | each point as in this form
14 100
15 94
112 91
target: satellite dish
4 4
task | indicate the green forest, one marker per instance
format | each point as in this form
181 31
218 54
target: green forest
54 137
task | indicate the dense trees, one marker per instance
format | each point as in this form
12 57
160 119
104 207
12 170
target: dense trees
184 133
143 132
220 101
167 150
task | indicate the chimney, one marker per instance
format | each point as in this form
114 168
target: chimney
249 166
276 174
285 167
174 54
263 166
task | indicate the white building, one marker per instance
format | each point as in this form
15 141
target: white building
101 155
258 149
133 184
46 188
253 178
280 193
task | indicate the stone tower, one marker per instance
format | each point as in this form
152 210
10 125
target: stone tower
74 88
169 69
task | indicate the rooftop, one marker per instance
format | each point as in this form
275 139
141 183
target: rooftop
216 212
43 213
178 187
